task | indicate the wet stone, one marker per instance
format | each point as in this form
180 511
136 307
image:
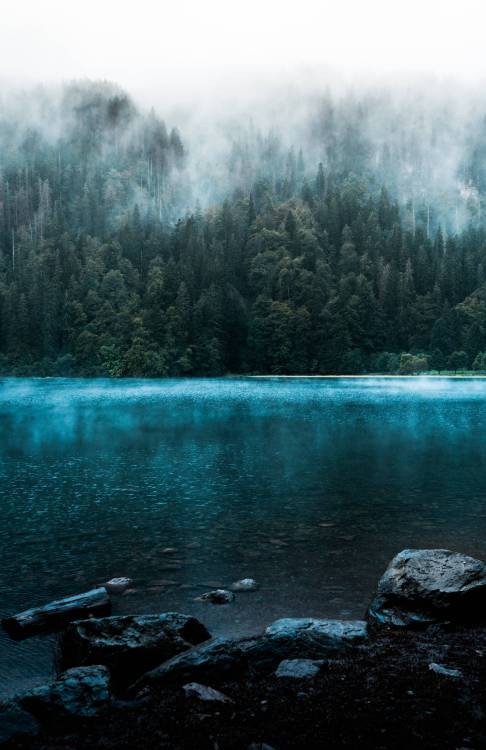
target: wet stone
118 585
218 596
426 586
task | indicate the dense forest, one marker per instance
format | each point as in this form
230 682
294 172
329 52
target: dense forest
338 253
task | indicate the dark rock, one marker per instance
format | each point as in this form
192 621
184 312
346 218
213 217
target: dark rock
218 596
129 645
227 658
245 584
204 693
57 614
217 659
445 671
299 668
118 585
78 693
15 722
421 587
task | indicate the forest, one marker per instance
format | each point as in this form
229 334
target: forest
336 246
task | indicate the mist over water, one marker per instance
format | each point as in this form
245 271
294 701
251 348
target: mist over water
310 486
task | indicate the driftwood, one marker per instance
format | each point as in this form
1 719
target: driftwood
56 615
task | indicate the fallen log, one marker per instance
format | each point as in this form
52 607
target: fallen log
57 614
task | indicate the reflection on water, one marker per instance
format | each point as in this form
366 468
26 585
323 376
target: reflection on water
309 486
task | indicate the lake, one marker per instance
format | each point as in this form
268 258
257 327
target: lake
308 485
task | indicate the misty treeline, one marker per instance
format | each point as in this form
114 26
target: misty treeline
354 242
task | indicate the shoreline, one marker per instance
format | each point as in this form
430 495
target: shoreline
253 376
408 674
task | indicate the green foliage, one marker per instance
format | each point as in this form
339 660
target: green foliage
307 269
413 363
457 361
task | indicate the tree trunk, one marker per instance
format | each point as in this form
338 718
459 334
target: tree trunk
55 615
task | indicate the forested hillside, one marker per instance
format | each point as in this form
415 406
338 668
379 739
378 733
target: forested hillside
334 255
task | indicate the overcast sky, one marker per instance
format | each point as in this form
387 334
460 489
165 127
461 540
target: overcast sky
185 45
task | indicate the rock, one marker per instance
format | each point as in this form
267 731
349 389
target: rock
15 722
323 637
118 585
299 668
218 659
218 596
131 644
426 586
57 614
78 693
227 658
445 671
245 584
204 693
260 746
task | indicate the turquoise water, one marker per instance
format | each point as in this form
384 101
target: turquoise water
310 486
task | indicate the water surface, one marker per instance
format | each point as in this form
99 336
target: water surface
310 486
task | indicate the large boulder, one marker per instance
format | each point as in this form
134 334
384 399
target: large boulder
227 658
426 586
129 645
217 660
77 694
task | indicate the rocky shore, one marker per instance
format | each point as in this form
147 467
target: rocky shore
411 674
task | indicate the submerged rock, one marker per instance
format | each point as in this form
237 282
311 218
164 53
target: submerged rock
57 614
205 693
118 585
131 644
78 693
15 723
245 584
218 596
425 586
445 671
299 668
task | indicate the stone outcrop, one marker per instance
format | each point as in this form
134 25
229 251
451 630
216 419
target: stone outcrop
225 658
129 645
426 586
